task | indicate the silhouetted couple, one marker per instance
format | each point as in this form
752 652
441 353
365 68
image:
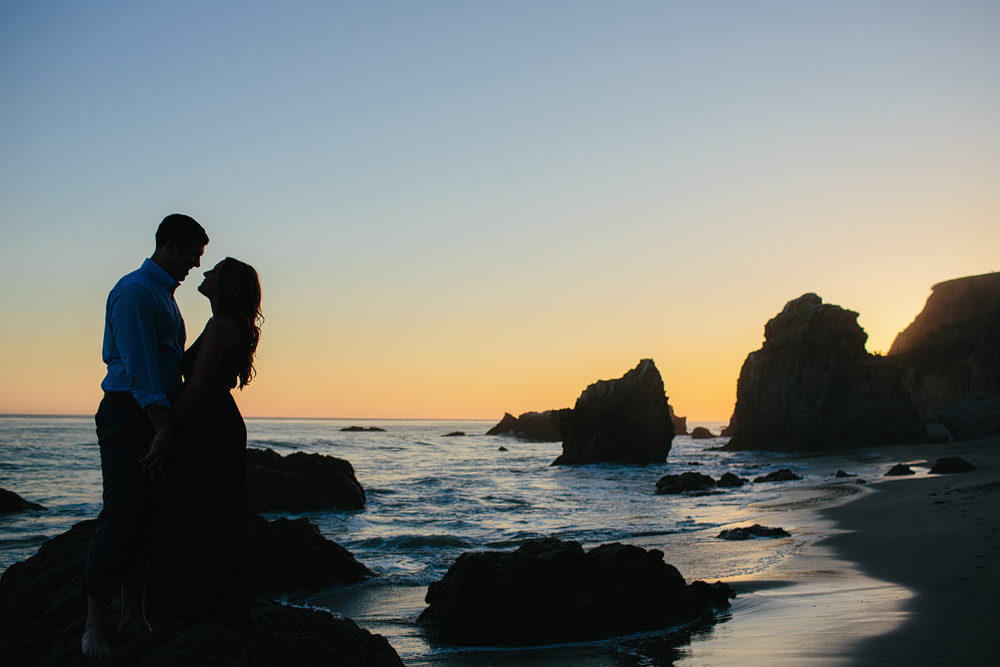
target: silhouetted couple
173 454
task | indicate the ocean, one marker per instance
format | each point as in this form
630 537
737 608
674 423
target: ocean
433 497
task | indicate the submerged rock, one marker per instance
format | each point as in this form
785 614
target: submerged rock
898 470
536 426
841 473
10 503
751 532
813 386
783 475
625 420
454 434
43 608
551 591
362 429
951 464
300 482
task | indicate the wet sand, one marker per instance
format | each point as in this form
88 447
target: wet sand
905 574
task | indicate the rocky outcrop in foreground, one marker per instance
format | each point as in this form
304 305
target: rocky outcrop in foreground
43 607
951 352
10 503
813 386
626 420
536 426
552 591
300 482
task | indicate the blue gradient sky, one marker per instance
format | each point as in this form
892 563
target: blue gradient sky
459 209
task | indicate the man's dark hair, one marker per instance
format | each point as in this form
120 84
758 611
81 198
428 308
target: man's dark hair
182 230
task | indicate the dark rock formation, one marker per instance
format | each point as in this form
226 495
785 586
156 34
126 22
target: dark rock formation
683 483
501 448
680 423
289 555
812 386
951 350
732 481
750 532
951 464
625 420
783 475
551 591
701 433
362 429
300 482
898 470
10 502
972 417
537 426
454 434
43 607
841 473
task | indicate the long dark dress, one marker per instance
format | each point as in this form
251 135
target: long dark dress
199 570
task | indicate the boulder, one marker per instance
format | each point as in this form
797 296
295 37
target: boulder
951 464
300 482
43 608
362 429
841 474
783 475
10 503
731 481
625 420
813 386
290 555
454 434
701 433
551 591
683 483
898 470
751 532
951 351
536 426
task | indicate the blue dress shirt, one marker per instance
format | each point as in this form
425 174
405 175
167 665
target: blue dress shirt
144 336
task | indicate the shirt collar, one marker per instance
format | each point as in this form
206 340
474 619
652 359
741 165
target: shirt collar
161 276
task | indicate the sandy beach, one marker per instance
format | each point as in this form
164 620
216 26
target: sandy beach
904 575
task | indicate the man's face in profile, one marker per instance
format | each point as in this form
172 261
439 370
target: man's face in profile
180 260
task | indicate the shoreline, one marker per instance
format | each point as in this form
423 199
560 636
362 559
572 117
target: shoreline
900 573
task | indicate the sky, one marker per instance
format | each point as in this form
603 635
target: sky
461 209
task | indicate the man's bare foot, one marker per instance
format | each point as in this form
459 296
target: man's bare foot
94 642
130 628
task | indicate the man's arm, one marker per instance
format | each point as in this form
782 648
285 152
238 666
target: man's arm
155 461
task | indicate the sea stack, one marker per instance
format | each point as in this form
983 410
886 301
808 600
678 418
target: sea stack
813 386
626 420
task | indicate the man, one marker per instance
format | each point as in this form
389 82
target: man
144 340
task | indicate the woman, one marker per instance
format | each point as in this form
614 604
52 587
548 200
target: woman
199 566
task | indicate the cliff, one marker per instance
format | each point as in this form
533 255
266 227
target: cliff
813 386
951 350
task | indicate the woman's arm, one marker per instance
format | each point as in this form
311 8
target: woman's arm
221 334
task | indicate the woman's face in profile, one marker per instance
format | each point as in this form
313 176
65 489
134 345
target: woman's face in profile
210 285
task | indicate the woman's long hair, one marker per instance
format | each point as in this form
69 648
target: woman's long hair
239 298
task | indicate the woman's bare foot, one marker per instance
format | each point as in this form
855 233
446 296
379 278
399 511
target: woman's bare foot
94 642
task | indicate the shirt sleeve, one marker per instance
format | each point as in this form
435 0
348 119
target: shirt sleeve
135 336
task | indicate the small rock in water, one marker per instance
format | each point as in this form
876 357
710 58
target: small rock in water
841 473
750 532
951 464
686 482
453 434
783 475
899 469
357 429
10 502
731 481
701 433
502 449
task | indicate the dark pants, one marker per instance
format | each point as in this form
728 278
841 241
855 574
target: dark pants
119 551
